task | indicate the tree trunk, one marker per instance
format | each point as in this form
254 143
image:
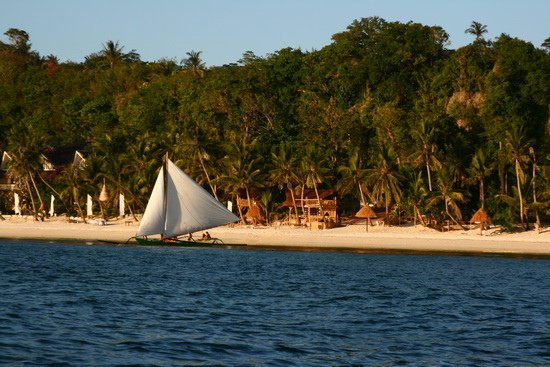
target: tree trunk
32 199
387 203
54 191
240 211
417 212
537 218
318 199
291 189
521 210
207 176
362 197
482 193
450 215
39 199
429 174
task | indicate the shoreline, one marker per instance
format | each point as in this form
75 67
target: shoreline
354 238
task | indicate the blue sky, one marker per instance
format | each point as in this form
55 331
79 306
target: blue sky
224 30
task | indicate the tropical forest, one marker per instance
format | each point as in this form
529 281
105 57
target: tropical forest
386 114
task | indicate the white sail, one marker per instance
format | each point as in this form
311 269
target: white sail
154 217
189 208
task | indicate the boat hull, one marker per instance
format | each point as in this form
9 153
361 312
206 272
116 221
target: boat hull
177 243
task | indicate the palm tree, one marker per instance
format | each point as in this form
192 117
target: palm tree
266 202
242 169
314 170
353 176
285 171
195 147
517 149
447 194
385 179
112 52
546 44
479 170
426 149
71 193
416 195
534 183
477 29
194 63
26 161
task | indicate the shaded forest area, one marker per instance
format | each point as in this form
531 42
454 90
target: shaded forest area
385 114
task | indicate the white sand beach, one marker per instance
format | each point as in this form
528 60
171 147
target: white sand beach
352 237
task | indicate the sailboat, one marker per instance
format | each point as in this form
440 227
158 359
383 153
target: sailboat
179 206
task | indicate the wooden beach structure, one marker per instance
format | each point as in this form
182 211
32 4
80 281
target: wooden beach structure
313 212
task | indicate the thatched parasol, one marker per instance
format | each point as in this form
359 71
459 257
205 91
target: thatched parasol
254 213
482 217
366 212
104 195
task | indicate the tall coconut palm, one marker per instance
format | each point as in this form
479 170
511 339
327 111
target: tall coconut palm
448 195
114 55
196 148
353 176
534 183
194 63
479 169
242 169
26 161
477 29
314 171
416 195
284 171
517 149
384 179
425 150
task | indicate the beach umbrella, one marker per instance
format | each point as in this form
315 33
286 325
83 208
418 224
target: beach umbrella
366 212
254 213
482 217
89 211
16 207
121 205
52 211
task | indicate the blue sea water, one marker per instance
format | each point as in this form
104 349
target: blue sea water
78 305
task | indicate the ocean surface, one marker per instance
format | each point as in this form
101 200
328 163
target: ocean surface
81 305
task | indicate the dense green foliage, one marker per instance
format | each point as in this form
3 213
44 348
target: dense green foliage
385 113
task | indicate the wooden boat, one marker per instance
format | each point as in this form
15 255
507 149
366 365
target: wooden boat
178 206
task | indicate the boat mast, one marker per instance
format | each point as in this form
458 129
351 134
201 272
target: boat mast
164 191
